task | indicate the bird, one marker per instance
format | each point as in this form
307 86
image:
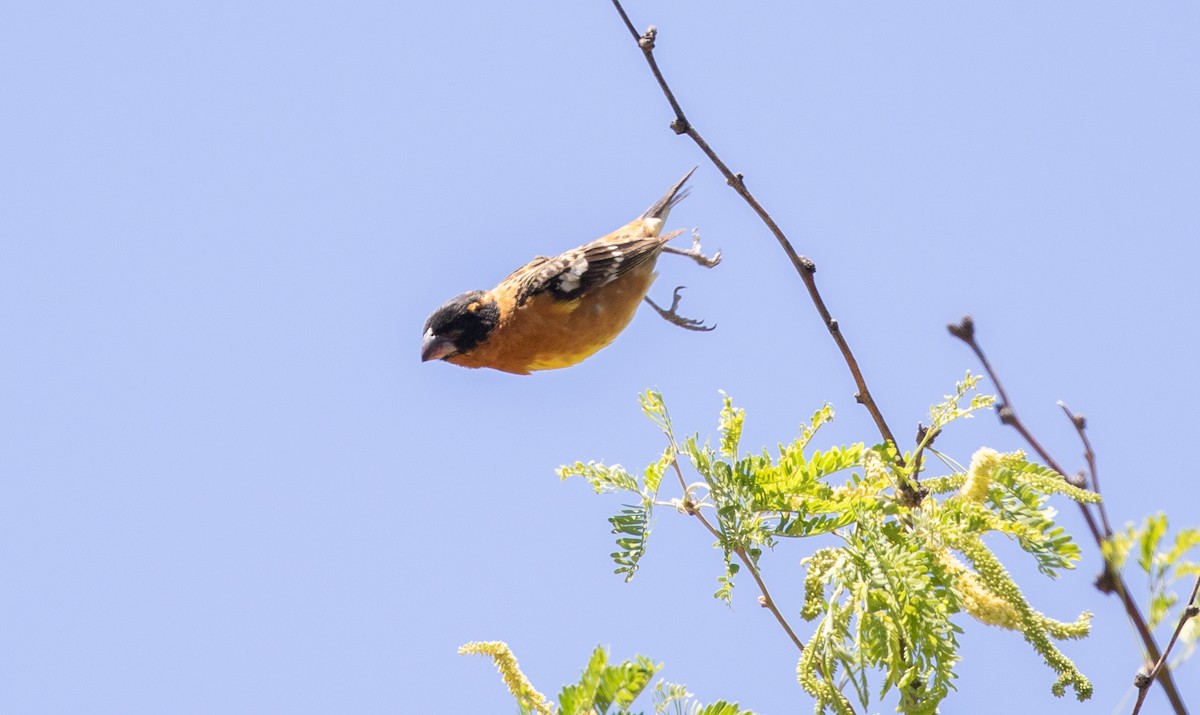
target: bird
555 312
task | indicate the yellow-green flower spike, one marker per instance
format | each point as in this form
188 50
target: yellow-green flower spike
517 683
979 475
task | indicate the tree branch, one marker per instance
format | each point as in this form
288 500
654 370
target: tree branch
1109 581
1080 423
766 601
803 265
1142 682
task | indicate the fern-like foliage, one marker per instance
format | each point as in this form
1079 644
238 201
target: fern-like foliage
602 689
885 602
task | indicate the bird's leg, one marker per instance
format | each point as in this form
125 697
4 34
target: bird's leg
694 252
673 317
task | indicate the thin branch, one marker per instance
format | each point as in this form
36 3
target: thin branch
1080 424
925 437
628 22
1142 682
965 331
803 265
766 601
1110 581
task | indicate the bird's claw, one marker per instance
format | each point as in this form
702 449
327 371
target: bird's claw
694 252
672 316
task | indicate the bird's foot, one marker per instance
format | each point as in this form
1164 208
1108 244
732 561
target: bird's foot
694 252
672 316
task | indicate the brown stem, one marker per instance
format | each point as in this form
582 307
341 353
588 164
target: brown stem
1142 682
767 601
804 266
1080 424
1111 581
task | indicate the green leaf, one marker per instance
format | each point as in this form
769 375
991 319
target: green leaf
732 420
631 525
656 470
656 409
579 699
670 694
604 479
721 707
799 526
1116 548
949 409
1151 534
621 684
1185 541
820 418
1160 606
725 592
1019 495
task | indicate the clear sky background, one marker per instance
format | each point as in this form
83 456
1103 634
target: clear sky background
229 485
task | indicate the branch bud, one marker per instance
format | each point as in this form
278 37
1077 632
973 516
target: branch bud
646 41
1105 583
964 330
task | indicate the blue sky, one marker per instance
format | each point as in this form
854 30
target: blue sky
230 486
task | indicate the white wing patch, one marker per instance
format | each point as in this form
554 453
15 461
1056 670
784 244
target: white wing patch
605 265
581 271
568 280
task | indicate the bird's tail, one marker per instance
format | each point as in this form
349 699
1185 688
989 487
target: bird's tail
674 195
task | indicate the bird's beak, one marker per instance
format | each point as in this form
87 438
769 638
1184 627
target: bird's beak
435 347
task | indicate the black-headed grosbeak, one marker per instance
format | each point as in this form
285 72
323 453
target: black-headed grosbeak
556 312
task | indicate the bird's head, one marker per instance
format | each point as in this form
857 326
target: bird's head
459 325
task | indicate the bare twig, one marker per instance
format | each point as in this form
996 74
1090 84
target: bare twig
965 331
1142 682
804 266
766 600
1080 424
1109 581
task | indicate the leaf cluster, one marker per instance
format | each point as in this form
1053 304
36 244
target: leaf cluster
887 598
1161 561
602 688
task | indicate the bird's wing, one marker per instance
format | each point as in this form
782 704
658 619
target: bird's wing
572 275
577 272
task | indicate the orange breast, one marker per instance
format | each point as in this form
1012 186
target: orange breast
546 333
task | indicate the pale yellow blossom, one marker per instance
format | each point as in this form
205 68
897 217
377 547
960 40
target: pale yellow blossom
516 681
